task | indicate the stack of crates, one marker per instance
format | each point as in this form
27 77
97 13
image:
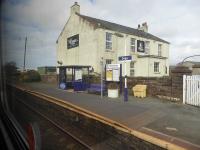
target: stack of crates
139 90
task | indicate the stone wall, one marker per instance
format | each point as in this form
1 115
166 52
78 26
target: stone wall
169 87
164 87
155 86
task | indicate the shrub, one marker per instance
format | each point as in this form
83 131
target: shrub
11 71
30 76
113 85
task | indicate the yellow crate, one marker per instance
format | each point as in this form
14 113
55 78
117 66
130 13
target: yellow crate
139 90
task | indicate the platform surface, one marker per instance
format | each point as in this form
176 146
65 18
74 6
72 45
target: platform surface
169 120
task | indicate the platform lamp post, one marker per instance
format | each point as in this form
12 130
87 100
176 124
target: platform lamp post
24 66
189 57
125 70
125 76
101 62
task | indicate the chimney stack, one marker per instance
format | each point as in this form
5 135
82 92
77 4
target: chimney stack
75 8
144 27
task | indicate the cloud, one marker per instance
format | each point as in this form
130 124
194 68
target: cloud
176 21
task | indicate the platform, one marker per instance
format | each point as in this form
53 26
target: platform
177 123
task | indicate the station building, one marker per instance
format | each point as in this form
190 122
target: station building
87 41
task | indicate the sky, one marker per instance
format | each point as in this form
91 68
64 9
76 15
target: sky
176 21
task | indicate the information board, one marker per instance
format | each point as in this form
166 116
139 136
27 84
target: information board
112 72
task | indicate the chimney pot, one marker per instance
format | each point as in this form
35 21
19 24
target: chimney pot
144 27
75 8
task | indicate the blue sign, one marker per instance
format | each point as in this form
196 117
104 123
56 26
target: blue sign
125 58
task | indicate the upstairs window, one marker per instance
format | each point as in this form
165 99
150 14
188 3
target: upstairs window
147 47
132 45
108 41
156 67
159 50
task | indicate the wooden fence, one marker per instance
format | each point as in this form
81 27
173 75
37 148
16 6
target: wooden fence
191 90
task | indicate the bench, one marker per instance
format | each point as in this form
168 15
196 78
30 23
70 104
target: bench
96 88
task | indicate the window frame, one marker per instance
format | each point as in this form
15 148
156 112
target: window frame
159 49
147 48
109 60
132 68
108 41
156 67
132 44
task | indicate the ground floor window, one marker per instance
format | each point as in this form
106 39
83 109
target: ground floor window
165 70
132 69
108 61
156 67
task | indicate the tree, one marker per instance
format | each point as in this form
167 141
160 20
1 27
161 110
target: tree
11 72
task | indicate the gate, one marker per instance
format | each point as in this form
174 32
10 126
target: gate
191 90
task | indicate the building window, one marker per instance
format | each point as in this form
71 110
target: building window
147 47
132 69
108 61
159 50
132 44
156 67
108 41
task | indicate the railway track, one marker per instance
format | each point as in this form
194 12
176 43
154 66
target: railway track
57 126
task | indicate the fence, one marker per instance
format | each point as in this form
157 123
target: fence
191 90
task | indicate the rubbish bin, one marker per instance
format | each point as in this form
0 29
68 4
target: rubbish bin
139 90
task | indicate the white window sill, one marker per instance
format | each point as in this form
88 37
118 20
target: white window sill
107 50
156 72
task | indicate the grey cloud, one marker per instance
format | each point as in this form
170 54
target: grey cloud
176 21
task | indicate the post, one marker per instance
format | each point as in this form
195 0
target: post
184 88
125 76
25 55
121 86
101 77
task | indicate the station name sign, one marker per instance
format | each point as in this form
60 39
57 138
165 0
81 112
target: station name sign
73 41
125 58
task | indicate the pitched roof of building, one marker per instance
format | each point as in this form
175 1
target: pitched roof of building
120 28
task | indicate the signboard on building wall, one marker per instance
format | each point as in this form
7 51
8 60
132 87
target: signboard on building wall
140 46
73 41
112 72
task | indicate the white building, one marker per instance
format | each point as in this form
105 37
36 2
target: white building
85 41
